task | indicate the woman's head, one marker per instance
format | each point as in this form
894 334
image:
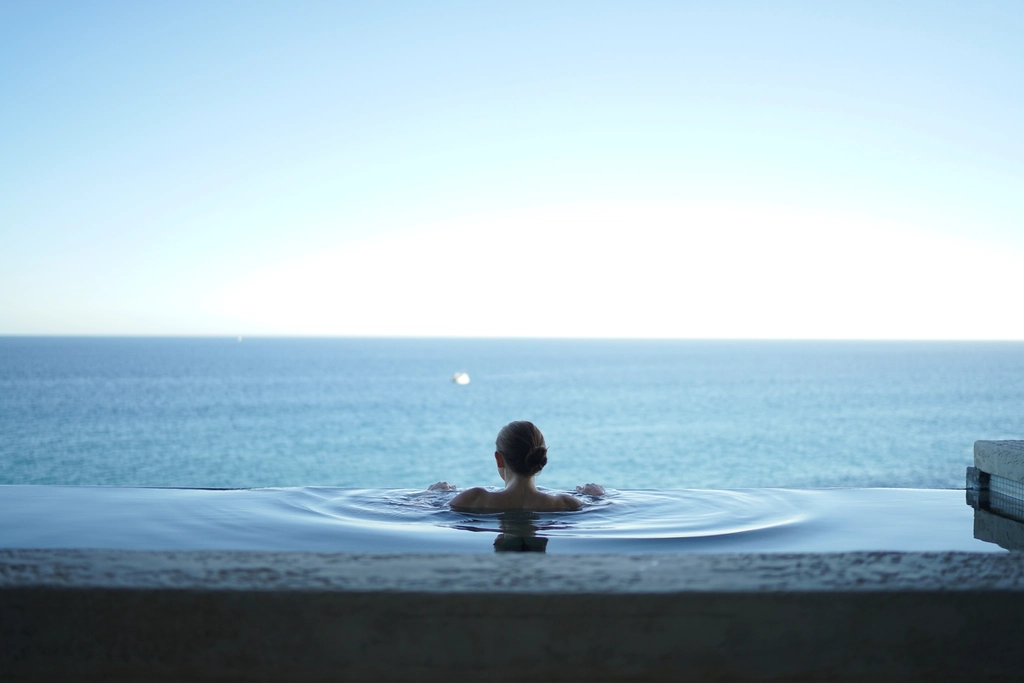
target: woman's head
522 446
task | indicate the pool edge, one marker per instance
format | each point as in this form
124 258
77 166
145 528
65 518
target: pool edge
265 616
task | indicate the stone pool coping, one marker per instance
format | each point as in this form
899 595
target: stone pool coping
258 616
1001 458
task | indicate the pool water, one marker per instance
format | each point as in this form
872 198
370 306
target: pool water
325 519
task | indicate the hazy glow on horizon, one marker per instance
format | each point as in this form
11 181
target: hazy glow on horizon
454 169
635 271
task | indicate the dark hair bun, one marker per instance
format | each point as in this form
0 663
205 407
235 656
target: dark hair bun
536 459
522 445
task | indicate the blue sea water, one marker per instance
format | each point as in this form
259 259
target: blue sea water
384 413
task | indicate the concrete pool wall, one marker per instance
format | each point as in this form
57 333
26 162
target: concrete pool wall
243 616
121 615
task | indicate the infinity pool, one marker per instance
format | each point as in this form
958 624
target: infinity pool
410 521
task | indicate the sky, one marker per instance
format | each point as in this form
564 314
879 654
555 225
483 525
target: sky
813 170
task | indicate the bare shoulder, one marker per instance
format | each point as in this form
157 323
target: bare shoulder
468 498
569 501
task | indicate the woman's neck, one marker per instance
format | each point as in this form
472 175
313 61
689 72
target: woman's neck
517 482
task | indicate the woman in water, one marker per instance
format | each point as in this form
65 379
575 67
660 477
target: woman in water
521 453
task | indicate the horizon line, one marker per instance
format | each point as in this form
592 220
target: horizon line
242 337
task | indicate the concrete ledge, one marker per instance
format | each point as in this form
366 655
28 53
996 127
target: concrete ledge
142 616
1001 458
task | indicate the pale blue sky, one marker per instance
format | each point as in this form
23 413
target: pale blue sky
735 169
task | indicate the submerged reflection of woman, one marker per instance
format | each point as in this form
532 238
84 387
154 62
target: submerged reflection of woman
519 533
520 454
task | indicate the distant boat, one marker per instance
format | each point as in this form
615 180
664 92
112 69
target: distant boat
460 378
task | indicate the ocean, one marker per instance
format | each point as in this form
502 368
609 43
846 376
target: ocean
385 413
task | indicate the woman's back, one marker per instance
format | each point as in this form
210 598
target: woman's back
519 456
514 498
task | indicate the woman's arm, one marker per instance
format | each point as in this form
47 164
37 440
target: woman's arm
468 499
570 502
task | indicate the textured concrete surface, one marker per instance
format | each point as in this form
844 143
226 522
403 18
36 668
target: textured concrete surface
1001 458
514 573
139 616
